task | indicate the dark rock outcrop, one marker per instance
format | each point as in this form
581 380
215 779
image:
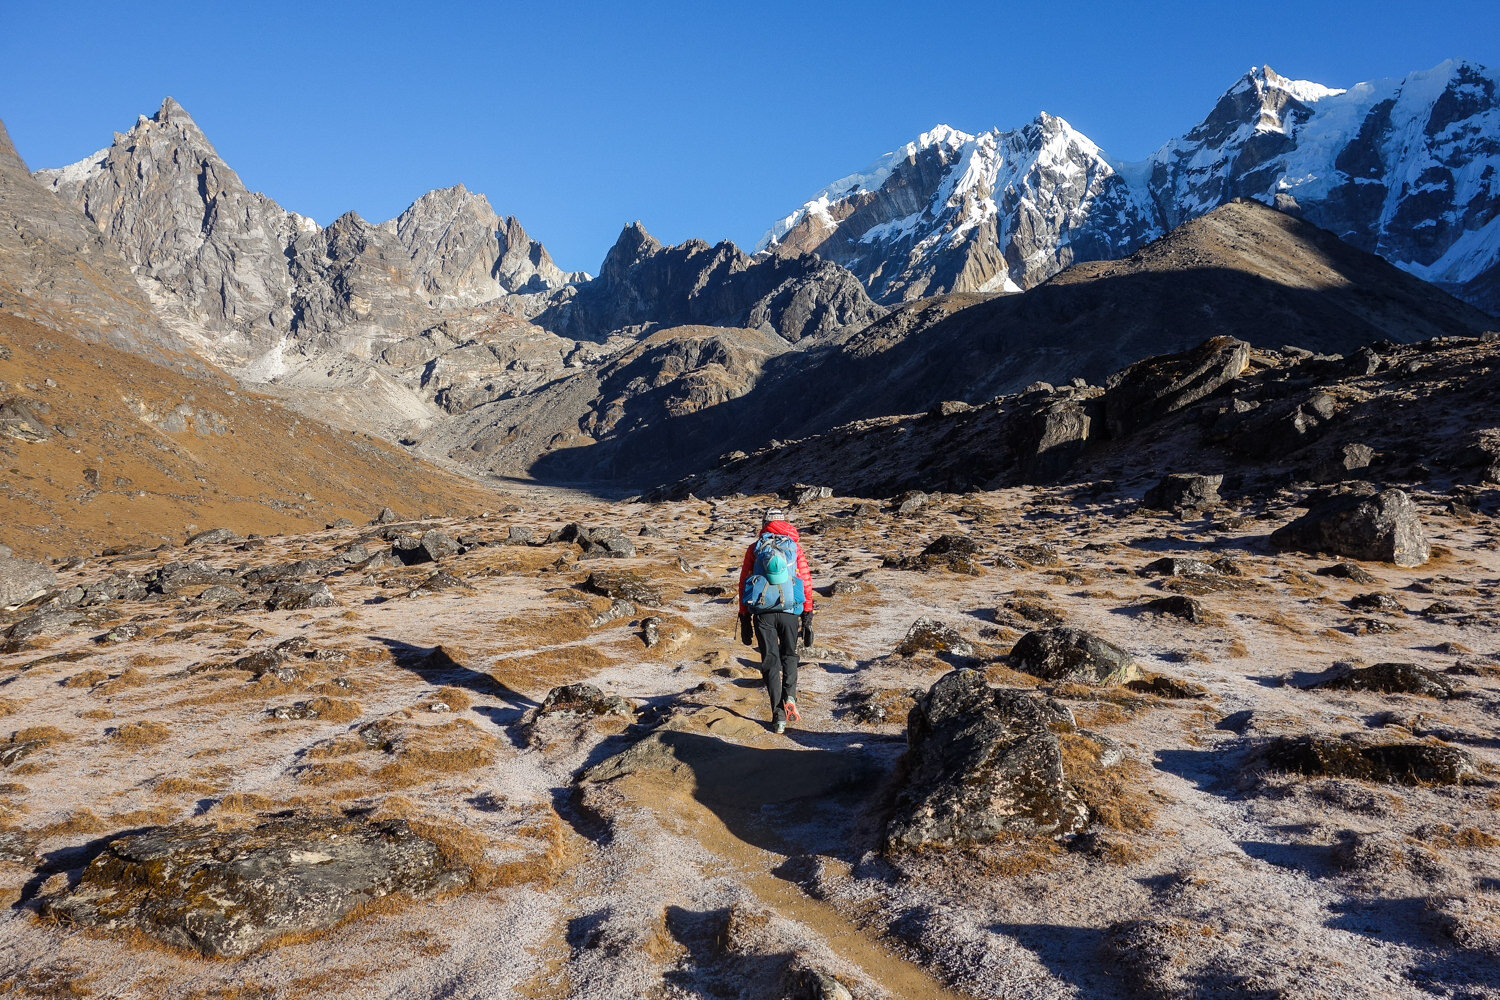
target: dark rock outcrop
927 635
1390 678
982 762
1184 491
1388 763
1071 654
1381 527
228 893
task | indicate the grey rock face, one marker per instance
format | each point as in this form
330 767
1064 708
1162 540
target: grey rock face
644 283
21 580
1150 389
59 272
1071 654
229 893
225 261
581 700
983 762
1383 527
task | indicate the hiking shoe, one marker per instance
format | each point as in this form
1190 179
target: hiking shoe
779 728
790 707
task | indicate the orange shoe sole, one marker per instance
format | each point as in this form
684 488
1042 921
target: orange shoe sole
792 715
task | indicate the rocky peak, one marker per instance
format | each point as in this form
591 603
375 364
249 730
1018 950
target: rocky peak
633 246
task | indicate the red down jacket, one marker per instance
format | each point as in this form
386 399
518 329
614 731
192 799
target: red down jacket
803 573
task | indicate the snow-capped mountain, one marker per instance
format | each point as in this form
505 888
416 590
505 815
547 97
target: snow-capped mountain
1407 168
999 211
244 278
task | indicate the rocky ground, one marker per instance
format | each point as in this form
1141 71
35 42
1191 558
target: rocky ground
339 763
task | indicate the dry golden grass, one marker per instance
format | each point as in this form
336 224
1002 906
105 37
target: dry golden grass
57 981
97 714
339 746
1286 622
549 667
335 709
1443 836
184 786
457 699
1099 713
148 660
80 821
9 706
1118 796
1237 650
45 735
463 847
142 734
87 679
1014 855
246 802
331 772
129 679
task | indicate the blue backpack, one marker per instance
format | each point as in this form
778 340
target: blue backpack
773 584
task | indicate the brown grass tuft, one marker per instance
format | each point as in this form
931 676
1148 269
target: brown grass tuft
331 772
142 734
246 802
46 735
1237 650
129 679
1117 796
87 679
97 714
183 786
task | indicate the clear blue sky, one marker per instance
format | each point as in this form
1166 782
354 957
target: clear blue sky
700 119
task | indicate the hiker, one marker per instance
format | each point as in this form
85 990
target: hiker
776 603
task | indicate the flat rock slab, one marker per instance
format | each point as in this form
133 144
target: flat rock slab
227 893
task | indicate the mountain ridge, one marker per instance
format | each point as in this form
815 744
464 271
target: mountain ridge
1408 168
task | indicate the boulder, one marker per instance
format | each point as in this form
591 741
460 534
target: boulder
982 762
1389 678
1351 458
1388 763
430 547
1148 390
386 516
213 536
22 579
1184 491
1178 606
802 493
932 636
954 553
623 585
595 542
1348 571
300 596
20 420
1071 654
1383 527
228 893
581 700
1047 437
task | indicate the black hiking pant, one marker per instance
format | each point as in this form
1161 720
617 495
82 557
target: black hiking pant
777 634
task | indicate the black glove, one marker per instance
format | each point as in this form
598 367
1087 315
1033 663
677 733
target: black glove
747 630
807 632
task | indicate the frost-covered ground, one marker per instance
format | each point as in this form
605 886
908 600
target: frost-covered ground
711 867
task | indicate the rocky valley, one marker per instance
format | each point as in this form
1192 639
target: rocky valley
368 591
